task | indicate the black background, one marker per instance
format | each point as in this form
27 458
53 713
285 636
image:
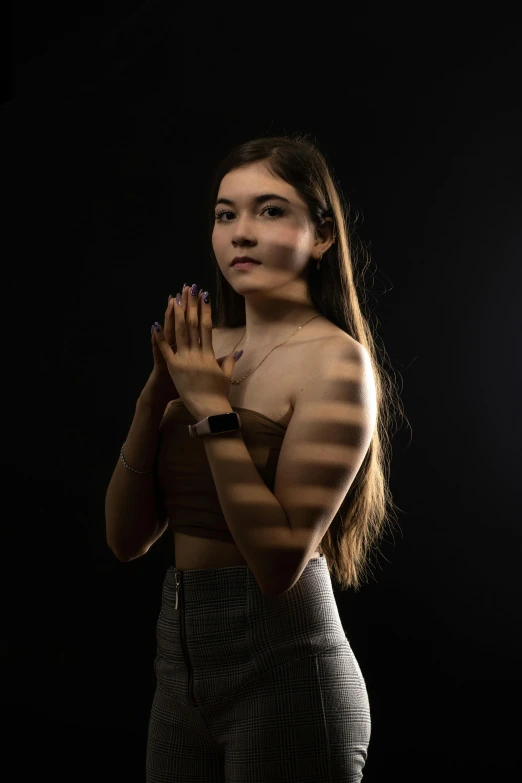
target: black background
112 123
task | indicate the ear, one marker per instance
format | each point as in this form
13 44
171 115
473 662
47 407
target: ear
325 235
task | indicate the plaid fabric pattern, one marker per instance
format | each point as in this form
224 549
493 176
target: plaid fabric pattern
255 689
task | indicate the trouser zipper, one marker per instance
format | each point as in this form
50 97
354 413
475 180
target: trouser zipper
180 606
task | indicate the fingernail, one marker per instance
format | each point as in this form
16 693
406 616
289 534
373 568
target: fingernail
239 354
194 290
170 297
178 298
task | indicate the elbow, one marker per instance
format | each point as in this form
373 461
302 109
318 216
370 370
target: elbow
127 558
132 547
117 554
124 557
273 592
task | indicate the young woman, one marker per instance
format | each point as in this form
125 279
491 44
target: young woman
269 470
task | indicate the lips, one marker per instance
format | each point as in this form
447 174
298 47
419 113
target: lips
244 259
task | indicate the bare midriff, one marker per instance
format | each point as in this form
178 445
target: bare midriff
197 553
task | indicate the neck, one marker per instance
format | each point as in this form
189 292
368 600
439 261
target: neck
260 330
259 336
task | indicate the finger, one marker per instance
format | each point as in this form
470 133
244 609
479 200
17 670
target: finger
161 340
205 323
191 315
169 328
180 325
156 350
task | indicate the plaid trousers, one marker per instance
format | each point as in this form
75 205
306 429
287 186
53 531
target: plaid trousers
254 689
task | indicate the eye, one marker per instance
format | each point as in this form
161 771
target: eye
281 212
278 209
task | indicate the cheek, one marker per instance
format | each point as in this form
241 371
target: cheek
217 241
289 239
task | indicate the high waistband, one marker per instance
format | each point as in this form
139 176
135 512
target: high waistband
217 630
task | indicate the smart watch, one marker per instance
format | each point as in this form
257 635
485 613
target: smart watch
216 425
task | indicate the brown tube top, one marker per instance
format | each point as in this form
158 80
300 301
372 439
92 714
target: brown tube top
184 476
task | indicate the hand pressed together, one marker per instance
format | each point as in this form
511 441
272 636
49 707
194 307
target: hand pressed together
193 367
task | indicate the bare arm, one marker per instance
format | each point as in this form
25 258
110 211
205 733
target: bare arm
133 518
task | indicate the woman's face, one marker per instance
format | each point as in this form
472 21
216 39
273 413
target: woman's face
278 233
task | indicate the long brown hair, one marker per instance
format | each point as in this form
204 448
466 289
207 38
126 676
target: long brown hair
334 291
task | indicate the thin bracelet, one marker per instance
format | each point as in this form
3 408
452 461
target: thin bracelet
139 472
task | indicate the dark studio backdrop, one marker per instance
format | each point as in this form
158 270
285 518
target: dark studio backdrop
112 123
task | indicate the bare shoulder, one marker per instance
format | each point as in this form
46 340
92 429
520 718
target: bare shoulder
333 341
324 354
343 351
345 342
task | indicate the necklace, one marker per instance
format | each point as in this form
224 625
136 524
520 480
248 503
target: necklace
237 381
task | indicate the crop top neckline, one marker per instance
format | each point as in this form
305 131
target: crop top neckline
239 408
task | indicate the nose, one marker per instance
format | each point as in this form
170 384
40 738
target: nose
243 233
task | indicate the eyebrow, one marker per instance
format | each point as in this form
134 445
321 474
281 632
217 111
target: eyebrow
255 199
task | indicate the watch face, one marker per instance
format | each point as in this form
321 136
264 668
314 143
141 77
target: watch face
222 422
